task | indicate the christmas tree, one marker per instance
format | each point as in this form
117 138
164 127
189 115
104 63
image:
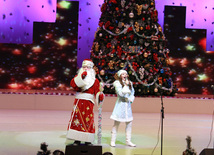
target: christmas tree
129 37
189 150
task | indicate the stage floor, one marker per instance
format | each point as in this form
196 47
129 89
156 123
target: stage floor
22 132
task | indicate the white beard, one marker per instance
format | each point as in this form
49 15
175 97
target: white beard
89 79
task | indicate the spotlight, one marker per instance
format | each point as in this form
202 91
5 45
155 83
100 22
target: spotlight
107 153
58 152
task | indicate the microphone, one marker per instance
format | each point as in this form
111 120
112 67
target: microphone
126 81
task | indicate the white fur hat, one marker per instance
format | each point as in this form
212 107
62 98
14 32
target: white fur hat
88 62
121 72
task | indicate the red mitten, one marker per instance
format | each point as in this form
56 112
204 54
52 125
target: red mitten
83 75
101 97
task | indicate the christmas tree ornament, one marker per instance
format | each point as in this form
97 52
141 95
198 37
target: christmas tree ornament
123 3
102 72
100 34
137 28
145 54
117 31
97 46
139 9
145 6
156 90
122 64
131 15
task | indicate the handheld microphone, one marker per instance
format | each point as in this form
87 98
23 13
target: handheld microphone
126 81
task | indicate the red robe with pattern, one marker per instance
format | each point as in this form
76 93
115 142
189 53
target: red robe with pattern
81 125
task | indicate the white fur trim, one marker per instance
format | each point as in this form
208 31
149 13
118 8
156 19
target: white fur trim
126 90
131 98
79 81
81 136
97 98
88 63
85 96
121 72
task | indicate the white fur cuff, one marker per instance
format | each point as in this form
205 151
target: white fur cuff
79 81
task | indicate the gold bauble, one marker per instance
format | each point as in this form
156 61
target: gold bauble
145 54
122 64
102 72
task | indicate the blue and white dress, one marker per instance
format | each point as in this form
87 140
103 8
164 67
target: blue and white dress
122 110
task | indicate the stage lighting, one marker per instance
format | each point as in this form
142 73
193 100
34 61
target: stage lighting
107 153
58 152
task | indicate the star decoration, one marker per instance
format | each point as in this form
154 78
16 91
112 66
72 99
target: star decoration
37 49
76 122
192 71
184 62
186 38
87 119
171 61
64 4
198 60
62 41
190 47
202 77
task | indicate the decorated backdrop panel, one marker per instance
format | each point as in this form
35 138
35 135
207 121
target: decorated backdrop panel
50 61
192 65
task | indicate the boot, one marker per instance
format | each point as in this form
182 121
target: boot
114 133
129 135
113 139
129 143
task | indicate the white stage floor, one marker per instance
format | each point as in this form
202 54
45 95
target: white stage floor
22 132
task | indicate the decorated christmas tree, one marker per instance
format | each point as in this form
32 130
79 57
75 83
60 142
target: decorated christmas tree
129 37
189 150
